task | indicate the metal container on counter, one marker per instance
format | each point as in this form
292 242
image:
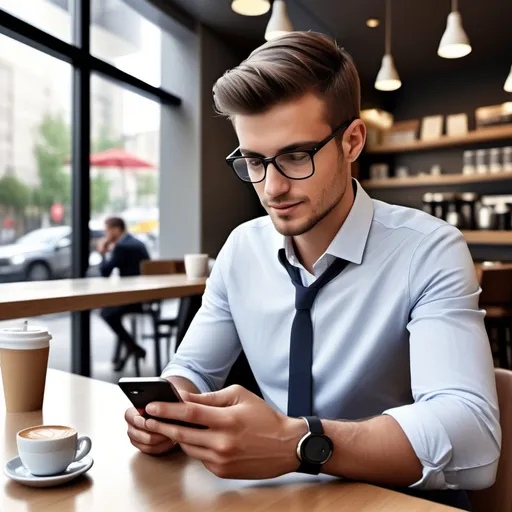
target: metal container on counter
453 216
439 206
485 217
468 208
502 217
428 203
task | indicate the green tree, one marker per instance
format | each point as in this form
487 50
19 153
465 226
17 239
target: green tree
14 193
52 149
100 193
147 185
105 142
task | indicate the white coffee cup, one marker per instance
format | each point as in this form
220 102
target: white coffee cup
196 265
44 452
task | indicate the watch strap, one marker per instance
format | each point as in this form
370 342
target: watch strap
315 427
314 424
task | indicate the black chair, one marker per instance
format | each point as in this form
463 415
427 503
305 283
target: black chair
162 328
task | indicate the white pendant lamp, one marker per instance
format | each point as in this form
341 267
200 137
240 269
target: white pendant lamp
250 7
388 79
279 23
454 43
508 82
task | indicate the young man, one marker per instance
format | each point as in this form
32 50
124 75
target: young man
127 253
400 376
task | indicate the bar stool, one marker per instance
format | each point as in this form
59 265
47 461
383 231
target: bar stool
496 299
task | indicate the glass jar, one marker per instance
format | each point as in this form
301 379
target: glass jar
428 203
468 166
494 161
481 164
507 158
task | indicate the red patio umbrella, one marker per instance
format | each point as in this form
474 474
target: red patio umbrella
116 157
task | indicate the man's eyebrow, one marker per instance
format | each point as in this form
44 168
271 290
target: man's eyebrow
291 147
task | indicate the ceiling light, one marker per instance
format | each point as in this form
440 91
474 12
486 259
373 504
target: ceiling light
387 78
508 82
454 43
279 23
372 22
250 7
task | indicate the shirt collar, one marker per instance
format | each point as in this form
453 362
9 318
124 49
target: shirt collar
350 241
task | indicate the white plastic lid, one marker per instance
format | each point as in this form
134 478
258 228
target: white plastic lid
17 338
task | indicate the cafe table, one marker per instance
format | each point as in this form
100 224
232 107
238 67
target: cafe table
34 298
123 479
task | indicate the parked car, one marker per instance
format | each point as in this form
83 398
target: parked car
40 255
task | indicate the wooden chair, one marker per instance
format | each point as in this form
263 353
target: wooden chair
162 267
496 299
498 497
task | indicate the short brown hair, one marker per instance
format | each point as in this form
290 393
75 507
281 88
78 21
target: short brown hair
115 222
287 67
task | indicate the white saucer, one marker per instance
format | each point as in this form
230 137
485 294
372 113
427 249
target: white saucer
15 470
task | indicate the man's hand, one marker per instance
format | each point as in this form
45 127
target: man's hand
146 441
245 437
103 246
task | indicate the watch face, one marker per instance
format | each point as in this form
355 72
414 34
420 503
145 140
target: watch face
317 449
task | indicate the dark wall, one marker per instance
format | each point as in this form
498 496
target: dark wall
226 202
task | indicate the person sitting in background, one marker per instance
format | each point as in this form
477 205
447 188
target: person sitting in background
126 254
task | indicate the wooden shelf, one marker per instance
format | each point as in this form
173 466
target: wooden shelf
428 180
488 237
476 136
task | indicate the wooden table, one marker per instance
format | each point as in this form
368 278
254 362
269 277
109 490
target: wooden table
33 298
124 479
28 299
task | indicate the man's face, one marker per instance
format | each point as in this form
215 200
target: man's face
112 234
295 206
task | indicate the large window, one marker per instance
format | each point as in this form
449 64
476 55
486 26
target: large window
120 36
35 176
125 146
67 96
52 16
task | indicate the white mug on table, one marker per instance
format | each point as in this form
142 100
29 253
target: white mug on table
196 265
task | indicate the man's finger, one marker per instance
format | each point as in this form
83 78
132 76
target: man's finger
200 453
213 417
186 435
145 437
153 449
223 398
130 415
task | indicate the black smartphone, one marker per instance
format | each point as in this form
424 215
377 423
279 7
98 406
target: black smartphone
143 390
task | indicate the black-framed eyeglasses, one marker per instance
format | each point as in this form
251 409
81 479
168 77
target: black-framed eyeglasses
293 164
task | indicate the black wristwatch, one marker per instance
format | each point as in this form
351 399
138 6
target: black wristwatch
315 448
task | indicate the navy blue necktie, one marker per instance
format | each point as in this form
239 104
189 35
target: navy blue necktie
300 384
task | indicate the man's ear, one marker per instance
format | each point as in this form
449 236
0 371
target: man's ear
354 140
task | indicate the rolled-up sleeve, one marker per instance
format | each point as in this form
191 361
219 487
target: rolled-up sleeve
211 344
453 424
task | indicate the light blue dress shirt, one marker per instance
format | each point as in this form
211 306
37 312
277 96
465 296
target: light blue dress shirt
398 332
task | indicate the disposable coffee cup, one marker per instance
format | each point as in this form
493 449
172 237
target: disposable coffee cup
196 265
23 361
